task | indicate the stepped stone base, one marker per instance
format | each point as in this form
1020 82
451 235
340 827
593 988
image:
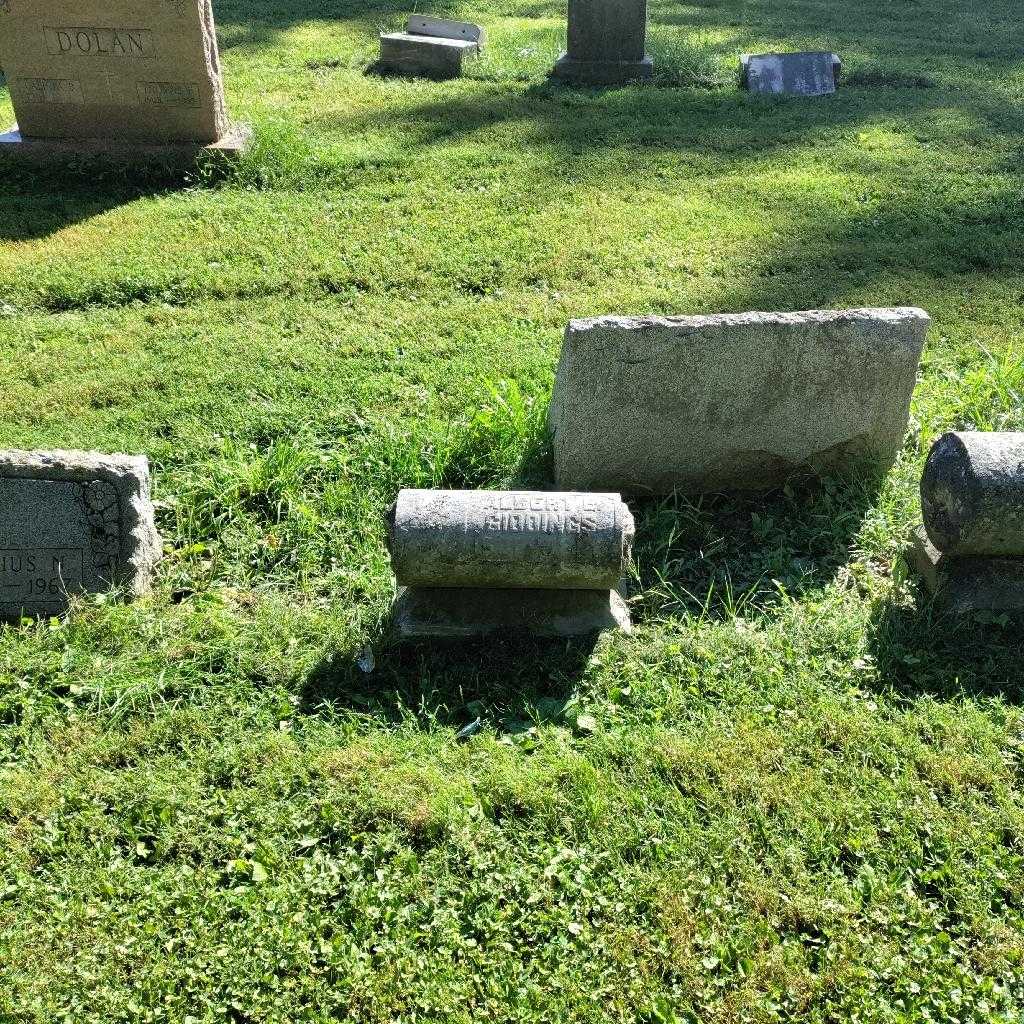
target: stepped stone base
968 583
176 155
405 54
472 611
602 72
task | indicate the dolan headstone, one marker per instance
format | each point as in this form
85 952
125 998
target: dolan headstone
113 76
71 523
607 42
645 405
812 73
470 563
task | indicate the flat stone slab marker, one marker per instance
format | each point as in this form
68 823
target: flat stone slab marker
72 522
813 73
434 47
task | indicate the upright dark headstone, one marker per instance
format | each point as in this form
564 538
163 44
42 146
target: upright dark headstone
607 43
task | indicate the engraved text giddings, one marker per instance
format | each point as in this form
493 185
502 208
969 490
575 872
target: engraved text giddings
525 513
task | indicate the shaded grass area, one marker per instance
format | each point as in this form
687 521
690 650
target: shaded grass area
794 794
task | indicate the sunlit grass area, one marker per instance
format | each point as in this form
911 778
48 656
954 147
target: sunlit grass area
793 794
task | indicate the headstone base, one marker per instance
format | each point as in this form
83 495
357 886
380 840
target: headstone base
968 583
602 72
473 611
404 54
176 155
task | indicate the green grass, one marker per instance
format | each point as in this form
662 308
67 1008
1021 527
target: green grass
794 794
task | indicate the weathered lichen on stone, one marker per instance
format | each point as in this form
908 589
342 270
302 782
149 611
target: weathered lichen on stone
970 548
72 522
645 405
972 493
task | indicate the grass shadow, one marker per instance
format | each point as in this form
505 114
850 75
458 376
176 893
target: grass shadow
510 684
722 555
920 649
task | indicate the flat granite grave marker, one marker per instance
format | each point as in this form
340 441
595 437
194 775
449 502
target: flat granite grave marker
813 73
607 41
72 522
644 405
970 548
469 563
114 76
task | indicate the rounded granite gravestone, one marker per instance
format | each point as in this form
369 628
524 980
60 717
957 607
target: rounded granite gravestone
477 562
972 494
969 549
72 522
554 541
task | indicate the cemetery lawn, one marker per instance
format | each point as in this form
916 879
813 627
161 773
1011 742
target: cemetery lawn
793 794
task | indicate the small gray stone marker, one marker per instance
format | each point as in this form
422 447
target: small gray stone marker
645 405
72 522
470 563
970 548
434 47
607 42
132 79
812 73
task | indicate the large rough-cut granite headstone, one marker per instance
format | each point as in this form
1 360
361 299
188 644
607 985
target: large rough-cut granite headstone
141 70
72 522
736 401
792 74
606 43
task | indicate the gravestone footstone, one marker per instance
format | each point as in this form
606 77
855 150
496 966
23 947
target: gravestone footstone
435 47
72 522
471 563
969 549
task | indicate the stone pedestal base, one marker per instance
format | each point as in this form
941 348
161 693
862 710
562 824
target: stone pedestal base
471 611
175 155
404 54
968 583
602 72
